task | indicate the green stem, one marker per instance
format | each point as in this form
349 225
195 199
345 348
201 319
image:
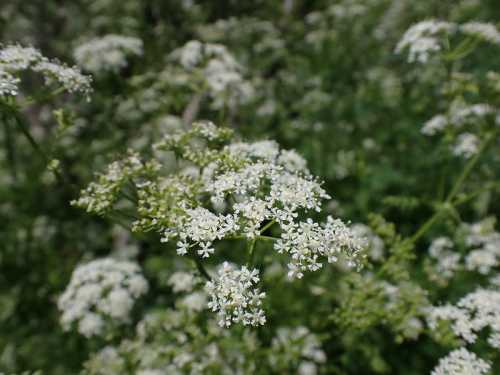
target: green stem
201 268
267 226
251 252
24 129
475 193
448 202
9 146
267 238
468 168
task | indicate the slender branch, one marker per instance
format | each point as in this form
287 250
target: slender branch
251 252
267 226
9 146
201 268
468 168
448 202
267 238
475 193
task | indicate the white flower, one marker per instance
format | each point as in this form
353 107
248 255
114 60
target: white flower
108 53
368 239
461 362
234 297
194 302
467 145
447 261
221 73
9 85
14 59
473 313
422 39
485 31
182 282
90 325
308 241
99 290
435 125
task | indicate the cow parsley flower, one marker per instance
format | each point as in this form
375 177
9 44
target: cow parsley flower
467 145
485 31
485 243
233 191
99 293
423 39
460 362
182 281
297 346
307 242
473 313
9 84
15 59
234 297
99 196
222 75
368 239
435 125
107 54
447 260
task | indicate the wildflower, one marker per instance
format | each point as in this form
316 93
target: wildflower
14 59
104 289
108 53
461 361
473 313
486 31
422 39
234 297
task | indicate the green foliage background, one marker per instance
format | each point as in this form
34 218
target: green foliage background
341 98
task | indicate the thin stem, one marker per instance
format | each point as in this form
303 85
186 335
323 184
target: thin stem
448 202
468 168
22 126
267 238
251 252
475 193
426 226
201 268
267 226
9 146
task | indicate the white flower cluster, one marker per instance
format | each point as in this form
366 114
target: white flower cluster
297 345
447 260
425 38
271 186
234 297
100 291
307 241
182 281
14 59
485 244
459 116
374 244
107 54
220 191
460 362
99 196
203 227
473 313
422 39
221 72
467 145
9 84
486 31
